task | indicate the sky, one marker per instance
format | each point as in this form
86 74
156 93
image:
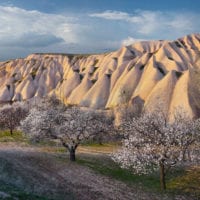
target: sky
91 26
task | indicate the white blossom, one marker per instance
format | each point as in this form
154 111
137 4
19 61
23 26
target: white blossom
71 125
11 115
152 140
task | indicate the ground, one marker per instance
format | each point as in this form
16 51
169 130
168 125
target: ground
37 173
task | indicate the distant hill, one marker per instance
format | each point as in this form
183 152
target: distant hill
144 73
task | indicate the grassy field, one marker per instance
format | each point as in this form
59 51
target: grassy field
17 136
184 182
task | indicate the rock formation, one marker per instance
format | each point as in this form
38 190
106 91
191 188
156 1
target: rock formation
152 71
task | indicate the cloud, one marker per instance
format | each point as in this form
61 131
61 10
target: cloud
35 27
32 40
155 23
111 15
26 31
130 40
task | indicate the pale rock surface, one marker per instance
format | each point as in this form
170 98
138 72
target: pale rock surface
147 73
180 98
161 94
80 91
98 95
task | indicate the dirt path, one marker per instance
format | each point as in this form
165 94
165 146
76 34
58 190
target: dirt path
44 174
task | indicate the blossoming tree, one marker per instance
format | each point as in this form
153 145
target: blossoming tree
153 143
70 125
11 115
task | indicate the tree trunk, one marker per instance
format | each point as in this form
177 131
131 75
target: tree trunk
99 140
162 176
72 154
184 154
11 131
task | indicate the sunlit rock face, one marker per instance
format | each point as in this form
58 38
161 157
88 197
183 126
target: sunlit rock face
156 72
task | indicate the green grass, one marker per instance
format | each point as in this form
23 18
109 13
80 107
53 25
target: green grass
179 181
95 147
107 167
97 144
187 181
17 136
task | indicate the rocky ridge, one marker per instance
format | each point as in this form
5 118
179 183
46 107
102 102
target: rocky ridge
143 74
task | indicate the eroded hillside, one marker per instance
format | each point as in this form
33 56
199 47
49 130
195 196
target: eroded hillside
144 73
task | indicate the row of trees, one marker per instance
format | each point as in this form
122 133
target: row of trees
151 142
50 119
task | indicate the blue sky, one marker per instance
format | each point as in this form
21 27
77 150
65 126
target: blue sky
91 26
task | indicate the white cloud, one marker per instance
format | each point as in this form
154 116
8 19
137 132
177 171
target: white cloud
111 15
26 31
155 22
130 40
17 22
